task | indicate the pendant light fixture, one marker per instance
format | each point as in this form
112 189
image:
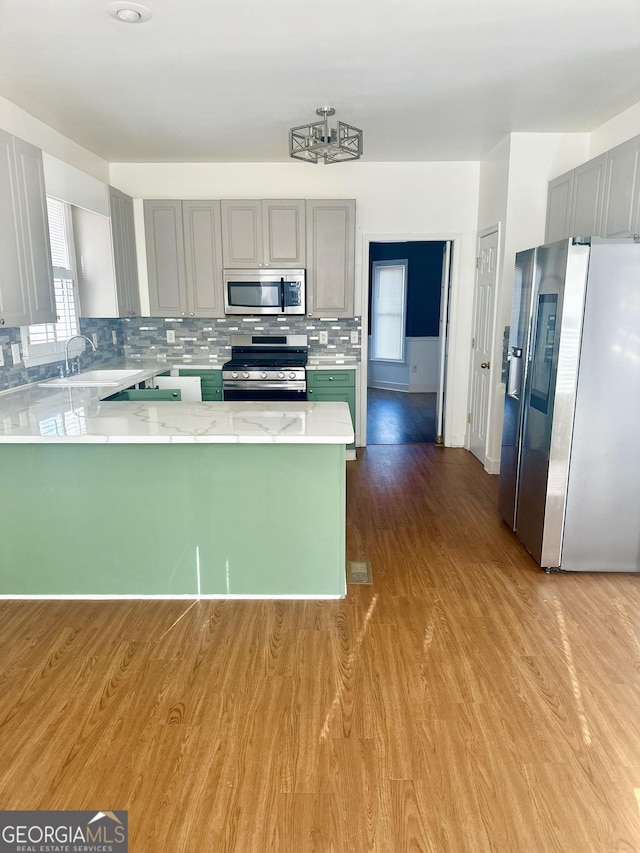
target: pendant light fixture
318 141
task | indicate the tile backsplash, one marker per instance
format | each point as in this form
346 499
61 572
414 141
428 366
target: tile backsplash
197 341
12 375
208 341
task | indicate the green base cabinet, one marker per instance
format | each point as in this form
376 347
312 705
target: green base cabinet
174 520
331 386
211 382
146 394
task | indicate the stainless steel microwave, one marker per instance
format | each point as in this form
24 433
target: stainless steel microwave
264 291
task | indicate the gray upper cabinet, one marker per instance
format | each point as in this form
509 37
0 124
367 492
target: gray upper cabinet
621 216
559 207
26 276
586 198
124 254
600 198
184 258
283 233
14 299
165 258
263 233
330 257
203 258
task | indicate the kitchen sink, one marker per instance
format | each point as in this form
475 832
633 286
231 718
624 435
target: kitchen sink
92 379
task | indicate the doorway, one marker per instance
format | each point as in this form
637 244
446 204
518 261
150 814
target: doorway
407 319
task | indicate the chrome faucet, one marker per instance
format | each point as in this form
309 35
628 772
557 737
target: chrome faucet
67 369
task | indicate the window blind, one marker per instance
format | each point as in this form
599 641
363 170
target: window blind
388 310
45 336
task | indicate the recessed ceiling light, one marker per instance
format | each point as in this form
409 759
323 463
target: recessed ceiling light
129 13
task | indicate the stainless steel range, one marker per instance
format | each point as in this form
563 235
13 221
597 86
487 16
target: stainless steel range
266 367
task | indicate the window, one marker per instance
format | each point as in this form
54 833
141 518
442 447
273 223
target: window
45 342
388 307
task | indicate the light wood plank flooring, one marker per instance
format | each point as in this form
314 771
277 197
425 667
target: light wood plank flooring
465 701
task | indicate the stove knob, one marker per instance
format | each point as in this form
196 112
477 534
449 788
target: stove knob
263 376
234 375
292 376
245 375
281 376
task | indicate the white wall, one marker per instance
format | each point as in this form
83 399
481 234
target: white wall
407 200
513 193
74 186
25 126
418 374
618 129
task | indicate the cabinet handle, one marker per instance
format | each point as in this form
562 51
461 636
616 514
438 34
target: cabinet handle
2 321
191 313
310 391
331 379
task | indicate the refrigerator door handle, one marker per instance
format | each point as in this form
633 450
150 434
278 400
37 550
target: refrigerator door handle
514 374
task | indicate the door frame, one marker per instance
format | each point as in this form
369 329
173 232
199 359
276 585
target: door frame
490 465
362 310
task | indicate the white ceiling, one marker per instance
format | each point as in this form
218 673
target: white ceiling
223 80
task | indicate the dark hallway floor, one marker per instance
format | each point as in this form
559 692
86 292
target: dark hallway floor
395 417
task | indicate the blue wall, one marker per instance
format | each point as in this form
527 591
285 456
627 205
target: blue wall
423 287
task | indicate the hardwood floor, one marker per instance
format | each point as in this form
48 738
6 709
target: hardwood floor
465 701
396 417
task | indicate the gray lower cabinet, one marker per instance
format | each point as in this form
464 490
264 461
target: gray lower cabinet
26 278
124 254
263 233
330 257
184 258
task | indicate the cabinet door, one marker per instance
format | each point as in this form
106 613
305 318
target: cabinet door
124 253
165 258
559 208
242 243
210 382
203 258
330 257
586 198
344 395
622 190
283 231
330 379
32 198
93 244
14 300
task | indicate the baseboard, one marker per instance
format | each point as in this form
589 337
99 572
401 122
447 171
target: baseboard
491 465
389 386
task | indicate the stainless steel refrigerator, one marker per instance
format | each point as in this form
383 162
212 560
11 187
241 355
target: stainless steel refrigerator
570 465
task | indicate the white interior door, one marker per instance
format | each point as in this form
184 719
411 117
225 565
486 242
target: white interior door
481 345
445 286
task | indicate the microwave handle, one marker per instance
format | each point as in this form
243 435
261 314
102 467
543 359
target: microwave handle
282 294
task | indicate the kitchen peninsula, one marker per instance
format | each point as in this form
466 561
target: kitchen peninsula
168 499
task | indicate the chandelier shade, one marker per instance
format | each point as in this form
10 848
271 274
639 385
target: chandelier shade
318 141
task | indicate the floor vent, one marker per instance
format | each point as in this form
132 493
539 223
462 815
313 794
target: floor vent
358 572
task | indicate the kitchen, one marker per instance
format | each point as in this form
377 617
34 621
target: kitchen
450 705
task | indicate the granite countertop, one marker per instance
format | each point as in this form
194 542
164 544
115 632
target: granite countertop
36 414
